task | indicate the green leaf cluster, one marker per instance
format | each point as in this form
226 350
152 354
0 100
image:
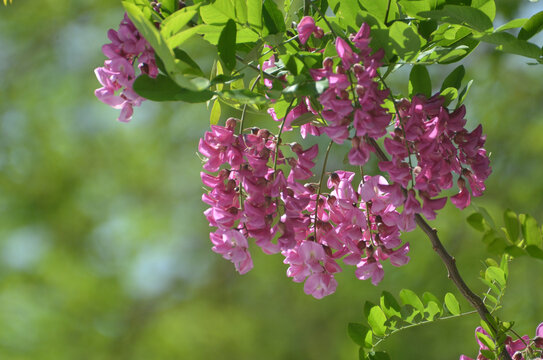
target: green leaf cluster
521 234
391 316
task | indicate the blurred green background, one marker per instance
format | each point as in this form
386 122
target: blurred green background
104 250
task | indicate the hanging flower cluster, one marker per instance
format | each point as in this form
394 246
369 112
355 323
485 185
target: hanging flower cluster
523 348
360 224
126 49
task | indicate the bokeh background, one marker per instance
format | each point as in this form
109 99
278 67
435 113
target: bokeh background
104 250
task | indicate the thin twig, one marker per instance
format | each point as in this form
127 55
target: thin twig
278 141
263 73
319 188
422 323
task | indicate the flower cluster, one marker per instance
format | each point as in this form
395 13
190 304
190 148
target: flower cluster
426 132
127 48
360 225
522 349
314 230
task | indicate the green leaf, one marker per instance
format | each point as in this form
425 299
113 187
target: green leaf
530 231
489 354
504 265
515 251
175 22
227 45
376 320
491 286
486 215
428 298
454 79
452 304
244 96
510 44
305 118
531 27
215 115
380 9
241 10
511 224
311 88
254 14
477 222
410 298
291 8
182 36
162 88
431 310
225 79
449 94
513 24
486 6
411 315
273 18
378 355
212 16
464 93
185 58
405 40
461 15
535 252
486 340
496 274
412 8
169 6
389 305
492 299
419 81
227 7
361 335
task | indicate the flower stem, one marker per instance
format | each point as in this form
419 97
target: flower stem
279 135
319 188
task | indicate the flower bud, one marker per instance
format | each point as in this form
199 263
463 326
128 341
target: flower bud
231 123
358 69
263 133
328 63
297 148
360 90
318 33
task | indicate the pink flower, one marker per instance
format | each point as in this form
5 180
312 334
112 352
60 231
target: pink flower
305 28
346 54
539 336
370 268
320 285
462 199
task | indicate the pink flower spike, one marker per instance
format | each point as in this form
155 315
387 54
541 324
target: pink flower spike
305 28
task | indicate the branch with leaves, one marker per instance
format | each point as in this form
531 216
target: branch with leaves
325 77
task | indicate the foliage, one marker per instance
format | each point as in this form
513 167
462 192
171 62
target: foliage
89 303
